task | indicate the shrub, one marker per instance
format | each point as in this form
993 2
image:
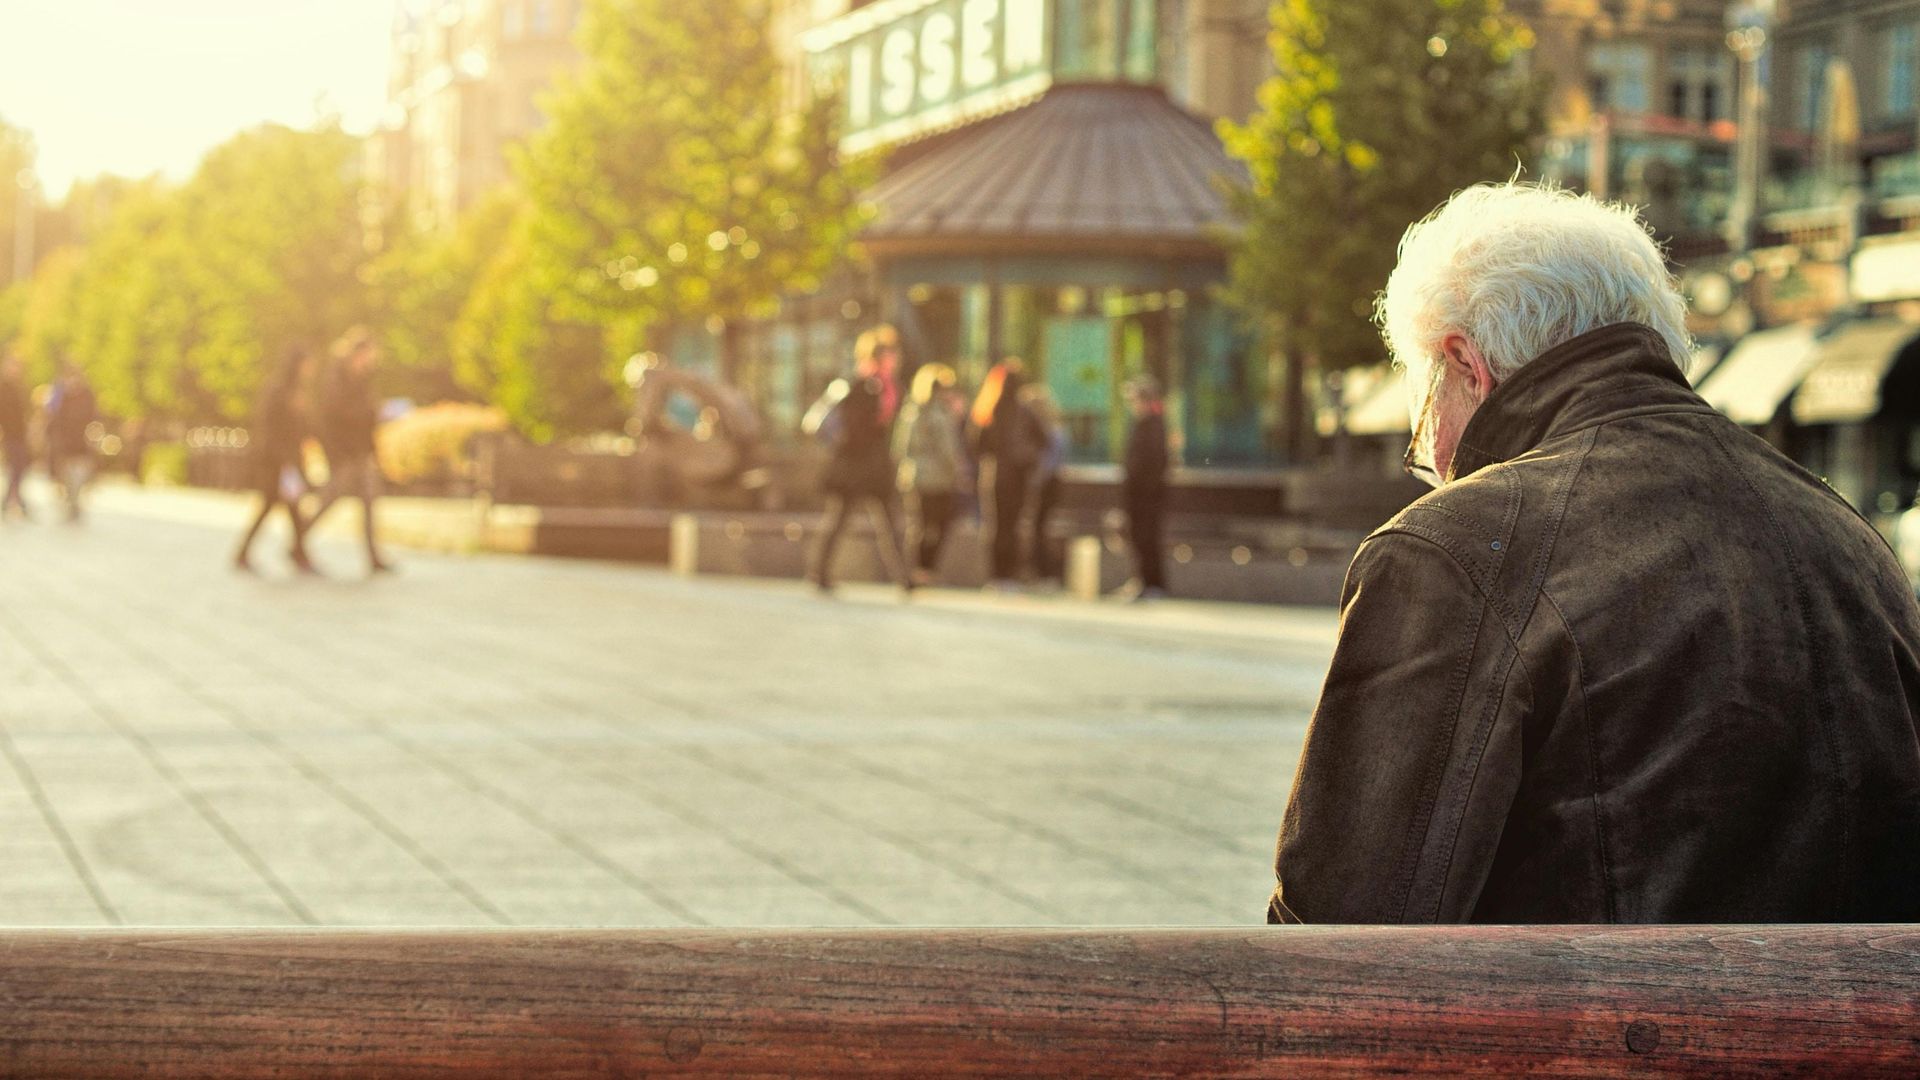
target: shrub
164 464
433 445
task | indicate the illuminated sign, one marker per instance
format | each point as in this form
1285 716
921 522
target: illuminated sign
910 66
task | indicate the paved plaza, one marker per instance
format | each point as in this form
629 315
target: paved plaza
493 740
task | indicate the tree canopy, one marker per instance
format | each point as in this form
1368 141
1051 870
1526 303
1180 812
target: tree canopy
673 182
183 297
1377 111
515 345
16 155
674 186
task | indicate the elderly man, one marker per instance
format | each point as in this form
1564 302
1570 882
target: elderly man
1627 663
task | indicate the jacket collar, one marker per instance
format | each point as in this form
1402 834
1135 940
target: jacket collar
1605 374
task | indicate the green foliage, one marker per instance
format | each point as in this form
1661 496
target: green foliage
434 444
46 318
183 297
514 345
16 153
670 183
164 464
420 284
1378 110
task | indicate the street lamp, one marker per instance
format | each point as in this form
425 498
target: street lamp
1748 22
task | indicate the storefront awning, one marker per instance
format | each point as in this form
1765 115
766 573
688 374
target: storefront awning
1086 169
1760 372
1382 409
1702 362
1844 385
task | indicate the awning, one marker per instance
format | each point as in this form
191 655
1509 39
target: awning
1106 168
1760 372
1701 363
1844 385
1382 408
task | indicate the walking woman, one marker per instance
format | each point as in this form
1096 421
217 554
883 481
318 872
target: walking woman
1009 444
274 447
933 456
1048 561
853 418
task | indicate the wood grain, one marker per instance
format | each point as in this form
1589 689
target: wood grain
1255 1002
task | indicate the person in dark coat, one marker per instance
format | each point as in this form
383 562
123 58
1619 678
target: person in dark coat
273 446
1143 488
854 417
1048 559
1627 663
347 417
1009 444
933 465
71 409
14 410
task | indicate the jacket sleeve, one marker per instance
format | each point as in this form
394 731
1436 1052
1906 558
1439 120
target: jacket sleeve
1410 766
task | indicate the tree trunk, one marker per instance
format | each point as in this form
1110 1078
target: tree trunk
732 333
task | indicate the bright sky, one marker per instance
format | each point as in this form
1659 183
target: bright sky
142 86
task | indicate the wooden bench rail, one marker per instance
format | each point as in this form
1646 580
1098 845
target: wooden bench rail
923 1003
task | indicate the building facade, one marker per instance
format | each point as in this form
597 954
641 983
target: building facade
1809 310
1641 107
1052 189
464 84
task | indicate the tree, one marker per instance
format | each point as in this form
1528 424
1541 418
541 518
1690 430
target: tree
421 283
272 218
1377 111
672 183
44 319
517 347
16 155
183 297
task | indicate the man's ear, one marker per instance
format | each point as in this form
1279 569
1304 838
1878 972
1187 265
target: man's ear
1465 359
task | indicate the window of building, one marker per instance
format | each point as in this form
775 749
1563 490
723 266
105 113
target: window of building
1698 79
541 17
1903 54
1087 36
1619 76
1143 39
1810 84
1172 58
1109 39
513 19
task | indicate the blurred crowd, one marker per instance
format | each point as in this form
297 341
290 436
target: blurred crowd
56 419
929 447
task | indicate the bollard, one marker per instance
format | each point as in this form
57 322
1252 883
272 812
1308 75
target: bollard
1083 567
683 545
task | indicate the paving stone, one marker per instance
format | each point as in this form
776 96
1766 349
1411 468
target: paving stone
490 741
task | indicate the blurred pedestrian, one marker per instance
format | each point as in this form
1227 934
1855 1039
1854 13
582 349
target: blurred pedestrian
933 457
345 421
1048 564
71 410
273 448
1009 443
14 409
853 418
1143 492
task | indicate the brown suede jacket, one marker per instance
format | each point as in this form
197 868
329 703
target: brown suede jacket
1629 665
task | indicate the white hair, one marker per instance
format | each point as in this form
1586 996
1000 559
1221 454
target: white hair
1519 268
